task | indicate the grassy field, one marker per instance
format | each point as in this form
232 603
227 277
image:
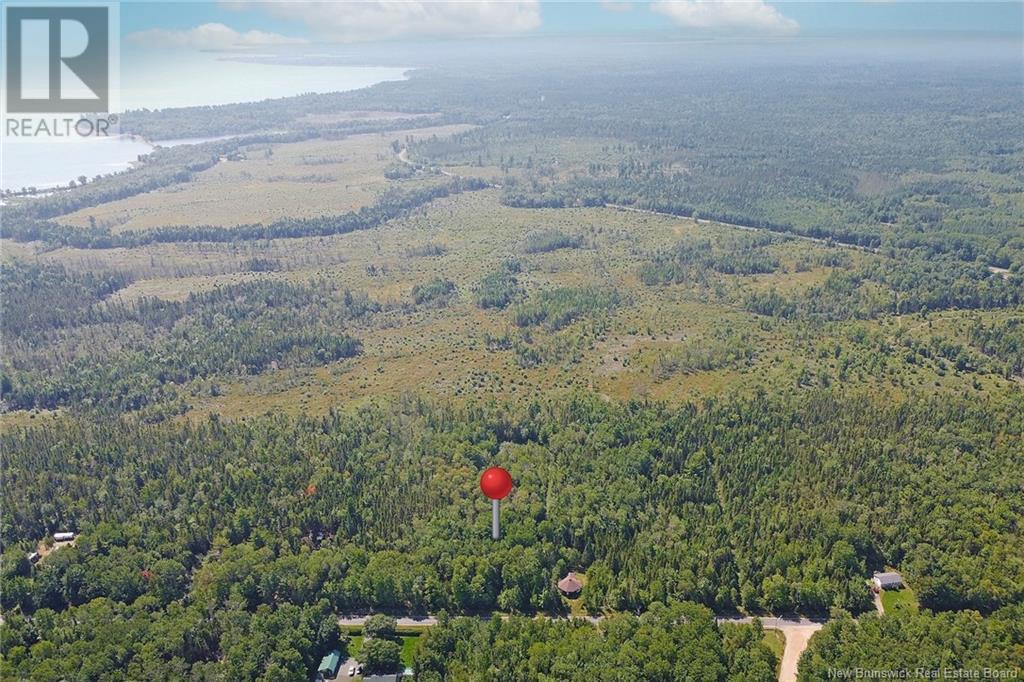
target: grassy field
621 355
631 352
654 343
270 182
899 601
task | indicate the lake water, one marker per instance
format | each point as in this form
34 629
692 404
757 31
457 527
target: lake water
199 79
45 163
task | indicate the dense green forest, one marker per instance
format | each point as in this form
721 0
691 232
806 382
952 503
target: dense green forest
1003 342
640 496
869 156
932 642
674 642
87 351
759 504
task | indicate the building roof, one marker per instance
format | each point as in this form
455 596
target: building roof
330 662
888 578
570 583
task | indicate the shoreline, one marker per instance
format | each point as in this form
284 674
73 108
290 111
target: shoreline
55 158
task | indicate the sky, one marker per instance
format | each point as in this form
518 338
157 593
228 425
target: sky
232 24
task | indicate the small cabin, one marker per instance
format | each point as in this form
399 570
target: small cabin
63 537
33 557
889 580
570 585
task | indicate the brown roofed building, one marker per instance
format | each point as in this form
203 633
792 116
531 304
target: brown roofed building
570 585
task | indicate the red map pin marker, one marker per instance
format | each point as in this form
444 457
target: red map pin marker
496 483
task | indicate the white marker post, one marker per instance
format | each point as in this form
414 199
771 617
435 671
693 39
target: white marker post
495 525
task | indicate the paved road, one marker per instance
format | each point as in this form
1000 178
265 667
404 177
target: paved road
797 631
359 621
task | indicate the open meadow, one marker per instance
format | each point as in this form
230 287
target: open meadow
675 341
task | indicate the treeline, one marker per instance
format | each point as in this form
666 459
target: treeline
667 643
128 356
162 167
165 166
38 298
296 113
895 286
1002 341
391 204
962 641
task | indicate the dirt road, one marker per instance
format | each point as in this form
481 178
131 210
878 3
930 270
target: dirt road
797 637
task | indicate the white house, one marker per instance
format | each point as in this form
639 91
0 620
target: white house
887 581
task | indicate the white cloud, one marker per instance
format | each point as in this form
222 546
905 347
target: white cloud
751 15
210 37
383 19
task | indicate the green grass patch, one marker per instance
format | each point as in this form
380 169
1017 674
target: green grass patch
355 644
409 637
899 601
776 641
408 646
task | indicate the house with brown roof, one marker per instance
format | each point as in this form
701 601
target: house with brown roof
570 585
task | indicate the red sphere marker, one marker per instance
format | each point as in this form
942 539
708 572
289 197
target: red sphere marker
496 483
